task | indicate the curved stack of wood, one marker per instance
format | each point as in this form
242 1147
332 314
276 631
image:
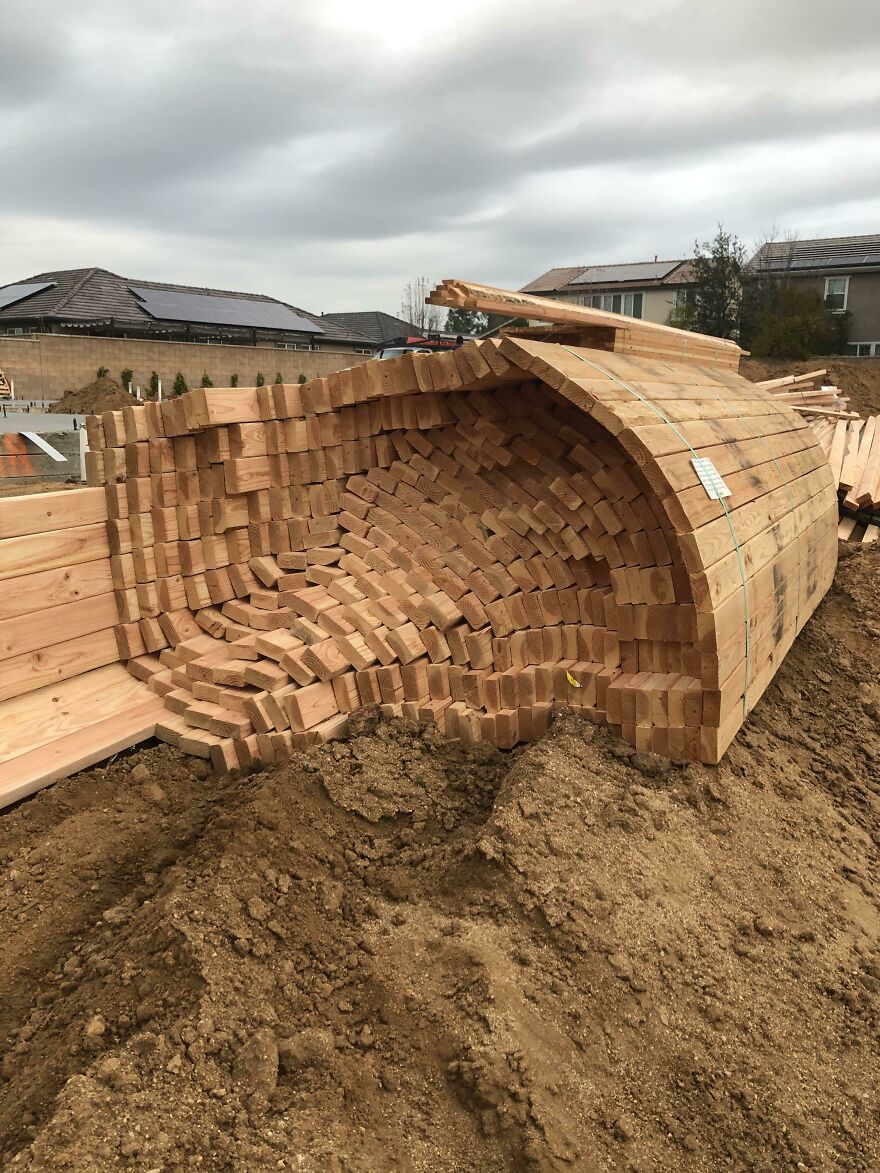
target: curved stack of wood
470 538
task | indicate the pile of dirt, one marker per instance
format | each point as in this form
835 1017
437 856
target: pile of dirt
396 953
858 378
104 394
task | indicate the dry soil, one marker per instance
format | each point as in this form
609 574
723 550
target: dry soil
397 954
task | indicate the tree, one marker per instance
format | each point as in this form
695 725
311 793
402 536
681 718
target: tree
717 270
461 321
233 379
278 377
797 325
102 372
261 379
154 383
302 379
413 309
127 376
207 381
781 317
179 383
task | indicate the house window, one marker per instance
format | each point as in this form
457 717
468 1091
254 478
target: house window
836 289
618 303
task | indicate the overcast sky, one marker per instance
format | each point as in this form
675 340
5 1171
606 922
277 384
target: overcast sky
328 151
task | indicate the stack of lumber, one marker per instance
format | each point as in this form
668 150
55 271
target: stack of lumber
854 455
851 444
470 538
809 395
57 606
596 329
65 701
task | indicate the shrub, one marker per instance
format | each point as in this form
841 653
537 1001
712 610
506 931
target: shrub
797 325
233 379
179 383
127 376
261 379
302 379
102 371
278 377
207 381
154 383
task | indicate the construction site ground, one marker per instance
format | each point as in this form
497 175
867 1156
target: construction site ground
396 953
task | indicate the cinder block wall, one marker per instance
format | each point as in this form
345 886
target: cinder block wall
44 366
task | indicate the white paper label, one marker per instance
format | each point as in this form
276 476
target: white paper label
710 478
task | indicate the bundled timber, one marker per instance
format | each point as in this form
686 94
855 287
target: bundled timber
470 538
588 327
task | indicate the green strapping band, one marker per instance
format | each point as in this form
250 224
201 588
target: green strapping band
739 558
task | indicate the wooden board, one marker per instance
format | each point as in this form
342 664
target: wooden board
47 512
55 731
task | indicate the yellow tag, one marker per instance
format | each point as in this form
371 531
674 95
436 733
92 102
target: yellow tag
571 680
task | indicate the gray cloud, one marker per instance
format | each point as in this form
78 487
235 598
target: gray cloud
328 156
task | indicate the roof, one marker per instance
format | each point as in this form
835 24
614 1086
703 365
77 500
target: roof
830 252
82 296
638 274
375 324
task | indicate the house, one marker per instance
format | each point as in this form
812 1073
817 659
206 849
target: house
645 289
96 302
843 270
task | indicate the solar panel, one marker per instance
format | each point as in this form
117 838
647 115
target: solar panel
13 293
171 305
606 274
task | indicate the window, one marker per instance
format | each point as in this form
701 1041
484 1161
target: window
836 289
618 303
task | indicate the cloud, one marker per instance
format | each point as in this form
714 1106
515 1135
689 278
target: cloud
329 153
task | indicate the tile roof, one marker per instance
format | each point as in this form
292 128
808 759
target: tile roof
80 296
830 252
375 324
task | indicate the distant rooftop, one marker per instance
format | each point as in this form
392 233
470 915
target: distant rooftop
87 298
374 324
640 273
830 252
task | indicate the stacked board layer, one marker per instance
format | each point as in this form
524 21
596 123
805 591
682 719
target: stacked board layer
470 538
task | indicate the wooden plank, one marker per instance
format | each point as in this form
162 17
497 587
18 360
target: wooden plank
92 743
47 551
40 513
45 628
58 710
23 674
52 588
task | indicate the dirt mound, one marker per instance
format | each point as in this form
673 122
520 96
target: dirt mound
858 378
395 953
104 394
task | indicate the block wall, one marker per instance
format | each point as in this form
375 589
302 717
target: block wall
44 366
